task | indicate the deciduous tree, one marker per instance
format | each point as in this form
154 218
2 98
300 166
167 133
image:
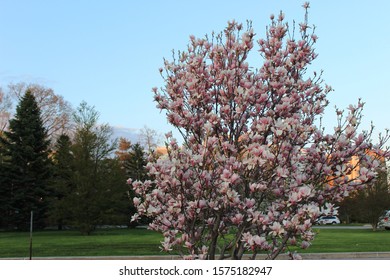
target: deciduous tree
256 165
149 139
56 112
92 146
5 110
366 205
123 151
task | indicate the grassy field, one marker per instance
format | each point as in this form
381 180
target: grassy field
110 242
333 240
127 242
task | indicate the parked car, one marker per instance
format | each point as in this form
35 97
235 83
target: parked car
384 220
328 220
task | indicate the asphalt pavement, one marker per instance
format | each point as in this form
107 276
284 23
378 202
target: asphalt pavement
305 256
344 227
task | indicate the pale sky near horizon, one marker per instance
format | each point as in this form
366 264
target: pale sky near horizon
108 52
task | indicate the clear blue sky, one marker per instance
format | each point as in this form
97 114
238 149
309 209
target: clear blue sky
108 52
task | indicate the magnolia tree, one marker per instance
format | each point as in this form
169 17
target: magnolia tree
256 167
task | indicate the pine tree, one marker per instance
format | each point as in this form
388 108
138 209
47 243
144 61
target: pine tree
134 160
62 185
135 165
26 166
5 204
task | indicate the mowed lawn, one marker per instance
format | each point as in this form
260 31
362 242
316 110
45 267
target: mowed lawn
131 242
333 240
107 242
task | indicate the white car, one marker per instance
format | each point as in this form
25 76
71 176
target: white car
384 220
328 220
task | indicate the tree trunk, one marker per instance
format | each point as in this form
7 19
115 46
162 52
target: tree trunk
214 238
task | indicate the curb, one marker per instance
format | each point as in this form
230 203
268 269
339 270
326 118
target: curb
305 256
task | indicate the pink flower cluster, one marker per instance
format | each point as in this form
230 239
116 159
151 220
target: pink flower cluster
256 167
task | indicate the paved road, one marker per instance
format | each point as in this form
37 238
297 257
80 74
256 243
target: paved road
344 227
305 256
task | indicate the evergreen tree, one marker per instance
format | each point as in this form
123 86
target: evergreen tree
5 203
115 208
134 160
135 165
26 166
62 185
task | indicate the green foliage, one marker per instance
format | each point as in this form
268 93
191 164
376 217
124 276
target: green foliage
99 183
136 163
80 184
62 184
132 159
25 167
115 206
5 203
368 204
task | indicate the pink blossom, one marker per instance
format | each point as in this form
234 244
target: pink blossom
136 201
253 156
282 172
135 217
304 191
188 244
226 174
258 240
296 256
305 245
249 203
234 178
237 219
281 16
202 203
294 197
166 245
277 228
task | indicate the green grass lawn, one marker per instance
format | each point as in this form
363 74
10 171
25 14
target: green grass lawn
127 242
333 240
109 242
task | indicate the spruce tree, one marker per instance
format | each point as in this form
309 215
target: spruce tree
136 163
26 166
62 185
135 167
5 204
